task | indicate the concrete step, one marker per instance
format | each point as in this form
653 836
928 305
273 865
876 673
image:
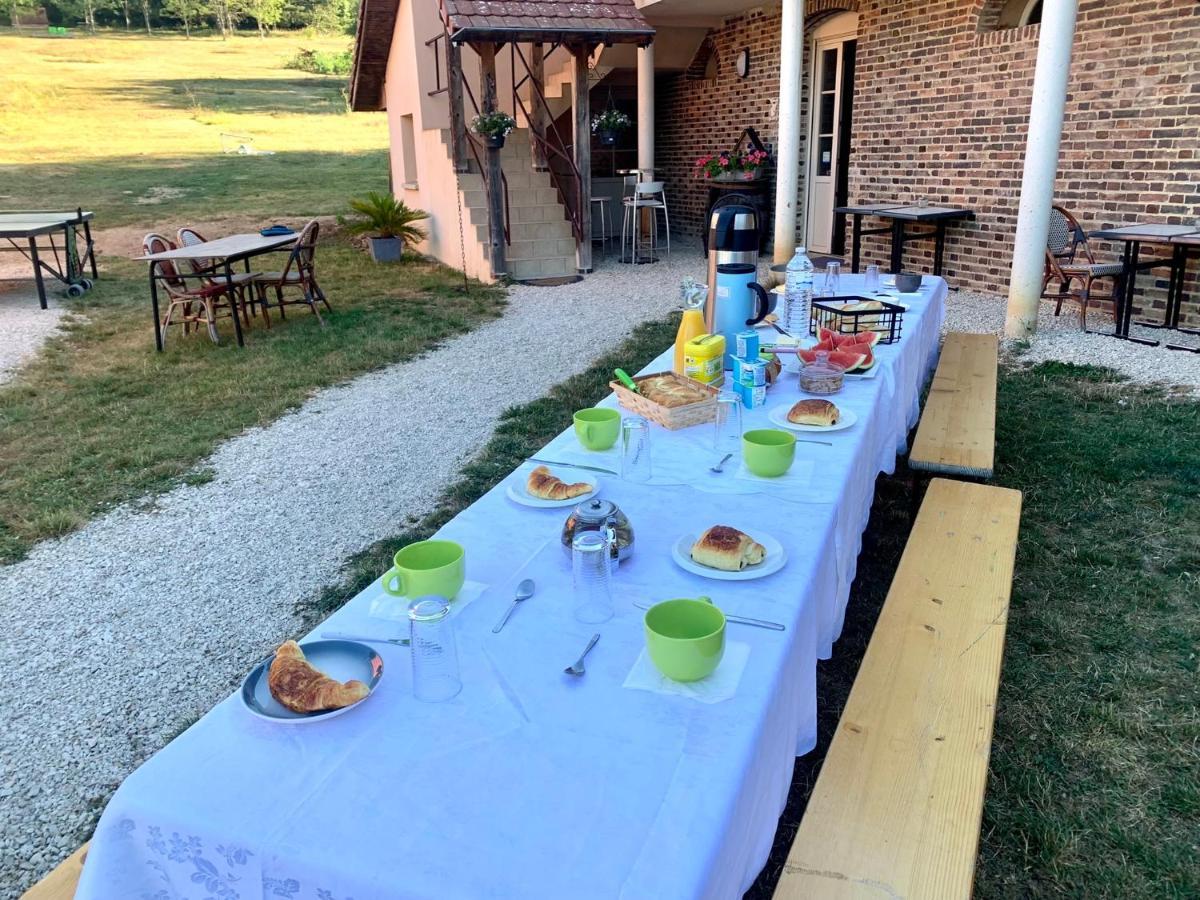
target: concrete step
541 249
530 231
522 198
551 267
516 178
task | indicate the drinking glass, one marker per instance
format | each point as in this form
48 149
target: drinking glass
833 277
635 449
434 655
872 279
727 426
591 575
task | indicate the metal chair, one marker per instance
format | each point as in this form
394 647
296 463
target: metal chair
206 268
299 272
649 195
601 204
1063 242
183 299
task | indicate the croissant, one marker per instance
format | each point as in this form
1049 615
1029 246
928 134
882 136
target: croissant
546 485
726 548
814 412
300 687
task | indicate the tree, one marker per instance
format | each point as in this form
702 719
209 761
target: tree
125 11
16 9
187 11
146 15
266 13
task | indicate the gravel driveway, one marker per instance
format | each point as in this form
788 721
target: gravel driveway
122 633
24 325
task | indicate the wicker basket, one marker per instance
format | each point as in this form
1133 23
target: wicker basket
672 418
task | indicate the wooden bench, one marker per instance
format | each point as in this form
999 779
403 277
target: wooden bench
60 884
957 433
897 806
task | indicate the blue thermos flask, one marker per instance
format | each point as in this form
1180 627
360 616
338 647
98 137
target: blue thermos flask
738 303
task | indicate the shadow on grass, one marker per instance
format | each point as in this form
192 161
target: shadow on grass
301 94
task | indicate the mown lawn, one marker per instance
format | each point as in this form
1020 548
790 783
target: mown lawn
132 127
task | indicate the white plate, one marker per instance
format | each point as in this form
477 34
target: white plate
681 552
518 494
779 414
340 660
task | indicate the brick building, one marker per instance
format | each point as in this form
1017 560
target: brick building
915 99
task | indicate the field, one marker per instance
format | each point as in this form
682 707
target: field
132 127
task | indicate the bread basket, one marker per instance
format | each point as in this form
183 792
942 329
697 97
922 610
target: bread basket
672 418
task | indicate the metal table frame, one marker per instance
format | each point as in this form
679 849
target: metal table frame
1180 238
937 216
231 249
28 225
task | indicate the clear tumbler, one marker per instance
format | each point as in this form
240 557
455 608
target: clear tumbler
635 449
727 426
434 655
591 575
871 283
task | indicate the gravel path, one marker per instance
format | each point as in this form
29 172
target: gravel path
24 325
121 633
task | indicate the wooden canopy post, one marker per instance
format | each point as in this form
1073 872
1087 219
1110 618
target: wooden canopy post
458 116
495 195
582 137
537 112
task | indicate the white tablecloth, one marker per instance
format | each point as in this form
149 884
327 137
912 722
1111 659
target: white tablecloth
529 783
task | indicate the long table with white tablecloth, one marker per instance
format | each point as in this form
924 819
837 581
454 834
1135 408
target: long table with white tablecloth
531 783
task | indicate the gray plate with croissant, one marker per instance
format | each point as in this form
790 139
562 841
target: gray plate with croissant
726 553
311 682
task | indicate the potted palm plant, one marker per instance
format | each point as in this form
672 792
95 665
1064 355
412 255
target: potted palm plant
388 224
493 127
609 124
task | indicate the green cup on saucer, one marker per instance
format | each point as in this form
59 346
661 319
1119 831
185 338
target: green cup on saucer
685 638
596 428
768 452
427 567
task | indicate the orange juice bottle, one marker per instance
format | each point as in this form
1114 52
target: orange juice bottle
692 324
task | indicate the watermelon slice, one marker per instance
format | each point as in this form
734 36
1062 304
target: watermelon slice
825 336
808 357
845 340
869 357
823 345
870 338
848 359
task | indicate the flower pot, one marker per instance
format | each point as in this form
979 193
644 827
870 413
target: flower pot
386 249
737 176
493 141
607 136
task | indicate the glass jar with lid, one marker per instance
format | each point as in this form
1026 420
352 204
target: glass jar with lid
821 376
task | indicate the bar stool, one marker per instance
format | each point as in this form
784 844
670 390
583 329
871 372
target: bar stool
649 195
605 214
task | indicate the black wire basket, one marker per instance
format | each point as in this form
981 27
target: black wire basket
831 313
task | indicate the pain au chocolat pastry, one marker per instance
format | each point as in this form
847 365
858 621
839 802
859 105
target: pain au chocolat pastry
296 684
545 485
814 412
726 548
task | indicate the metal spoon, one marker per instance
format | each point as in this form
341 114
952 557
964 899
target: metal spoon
524 592
718 466
578 669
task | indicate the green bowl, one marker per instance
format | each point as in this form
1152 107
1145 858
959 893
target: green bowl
768 452
597 429
685 638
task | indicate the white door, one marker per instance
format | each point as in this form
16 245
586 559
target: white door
825 115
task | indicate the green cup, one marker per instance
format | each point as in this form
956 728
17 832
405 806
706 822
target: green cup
685 638
597 429
768 452
427 567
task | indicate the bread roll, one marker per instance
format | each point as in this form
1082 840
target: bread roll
545 485
725 548
814 412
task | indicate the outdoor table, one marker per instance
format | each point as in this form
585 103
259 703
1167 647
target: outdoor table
1181 239
937 216
530 783
229 250
29 225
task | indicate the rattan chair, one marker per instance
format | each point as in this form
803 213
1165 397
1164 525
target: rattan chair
186 305
299 274
206 268
1074 275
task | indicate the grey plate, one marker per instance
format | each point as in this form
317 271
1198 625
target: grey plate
341 660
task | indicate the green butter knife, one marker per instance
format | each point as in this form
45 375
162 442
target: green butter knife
624 378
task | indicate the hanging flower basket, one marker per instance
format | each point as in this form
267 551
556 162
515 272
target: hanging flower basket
607 136
609 124
493 141
493 128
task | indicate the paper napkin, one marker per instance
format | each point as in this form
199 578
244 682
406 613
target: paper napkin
720 685
395 609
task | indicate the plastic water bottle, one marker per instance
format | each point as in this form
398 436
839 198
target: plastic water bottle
797 296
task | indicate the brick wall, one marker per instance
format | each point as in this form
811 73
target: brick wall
940 105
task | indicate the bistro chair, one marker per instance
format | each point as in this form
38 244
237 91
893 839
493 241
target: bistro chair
206 268
649 195
298 275
1070 263
186 305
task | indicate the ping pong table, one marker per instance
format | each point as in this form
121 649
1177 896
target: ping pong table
22 229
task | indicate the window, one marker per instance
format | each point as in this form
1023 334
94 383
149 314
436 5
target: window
1016 13
408 152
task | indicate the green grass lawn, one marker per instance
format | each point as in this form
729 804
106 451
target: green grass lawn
131 126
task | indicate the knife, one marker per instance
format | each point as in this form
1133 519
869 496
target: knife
624 378
740 620
570 465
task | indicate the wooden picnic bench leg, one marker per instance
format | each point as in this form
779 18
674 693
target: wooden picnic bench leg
897 259
37 272
233 306
857 243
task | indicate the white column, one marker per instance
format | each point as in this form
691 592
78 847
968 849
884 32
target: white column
787 147
1056 34
645 109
